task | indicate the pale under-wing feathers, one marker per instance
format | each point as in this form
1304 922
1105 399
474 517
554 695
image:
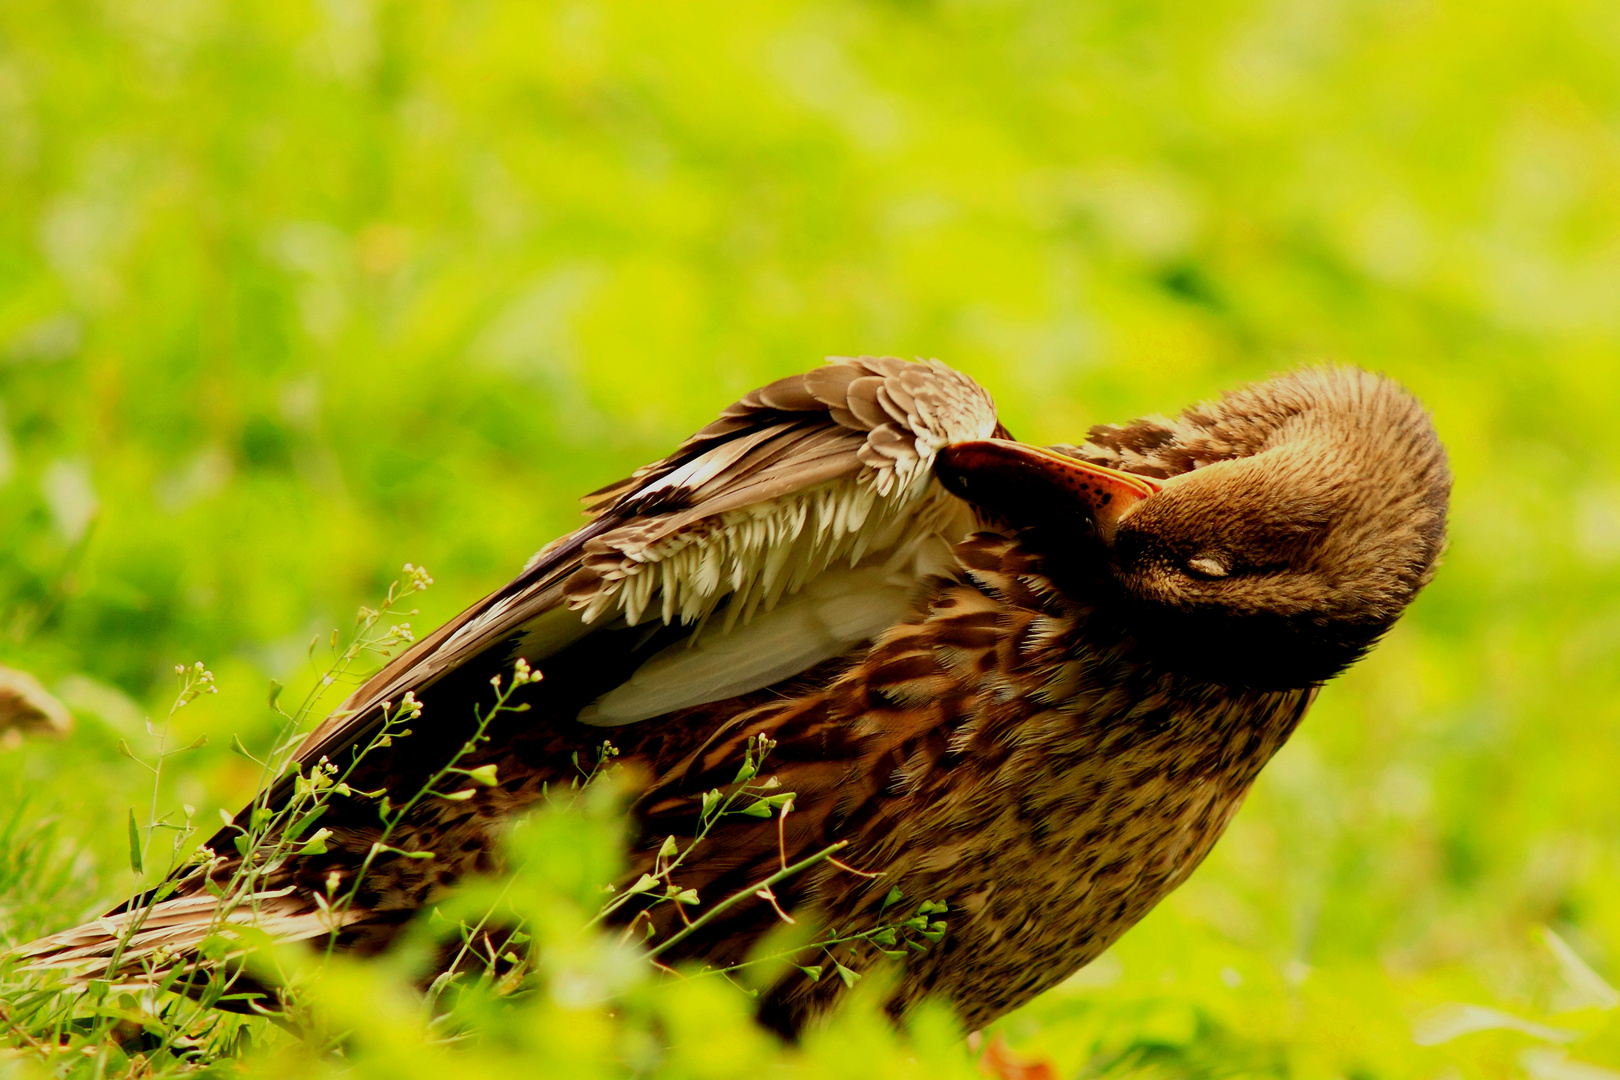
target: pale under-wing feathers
836 611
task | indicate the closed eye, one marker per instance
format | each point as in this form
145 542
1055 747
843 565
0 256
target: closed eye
1207 567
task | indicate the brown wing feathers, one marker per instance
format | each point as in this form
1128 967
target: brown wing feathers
867 422
776 440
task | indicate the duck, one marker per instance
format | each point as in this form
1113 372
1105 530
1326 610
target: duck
1031 684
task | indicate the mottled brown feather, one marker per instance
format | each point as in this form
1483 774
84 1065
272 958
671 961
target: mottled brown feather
1033 744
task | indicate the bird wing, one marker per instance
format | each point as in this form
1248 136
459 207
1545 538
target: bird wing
800 520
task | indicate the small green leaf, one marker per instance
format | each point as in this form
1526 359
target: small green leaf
305 822
643 883
710 800
849 977
686 896
275 692
238 746
316 845
814 971
484 774
670 848
136 863
460 796
125 751
758 808
894 897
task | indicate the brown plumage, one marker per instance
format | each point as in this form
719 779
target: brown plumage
1034 684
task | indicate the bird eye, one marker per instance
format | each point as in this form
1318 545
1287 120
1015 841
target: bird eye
1208 567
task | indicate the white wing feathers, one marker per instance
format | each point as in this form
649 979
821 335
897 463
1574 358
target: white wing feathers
829 469
808 472
837 610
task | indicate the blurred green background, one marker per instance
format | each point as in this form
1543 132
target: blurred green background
292 293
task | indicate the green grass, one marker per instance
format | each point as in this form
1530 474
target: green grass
293 293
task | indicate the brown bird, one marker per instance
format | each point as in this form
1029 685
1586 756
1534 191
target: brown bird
1032 684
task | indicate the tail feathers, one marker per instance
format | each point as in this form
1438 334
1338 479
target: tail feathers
155 938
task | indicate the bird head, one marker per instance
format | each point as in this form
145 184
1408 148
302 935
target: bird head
1267 539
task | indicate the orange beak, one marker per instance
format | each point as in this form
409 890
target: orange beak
1031 485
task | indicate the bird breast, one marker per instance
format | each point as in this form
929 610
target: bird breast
1006 753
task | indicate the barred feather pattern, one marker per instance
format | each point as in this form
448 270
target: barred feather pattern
1007 752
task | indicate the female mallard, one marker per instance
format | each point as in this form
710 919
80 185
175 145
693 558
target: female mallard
1033 684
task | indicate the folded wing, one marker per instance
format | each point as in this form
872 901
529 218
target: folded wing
796 525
